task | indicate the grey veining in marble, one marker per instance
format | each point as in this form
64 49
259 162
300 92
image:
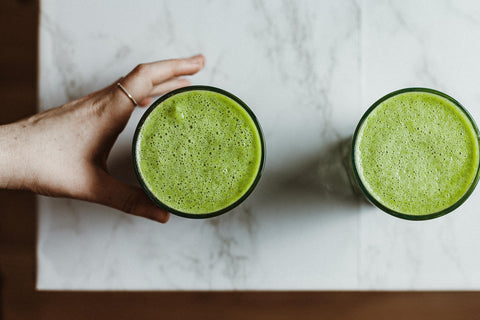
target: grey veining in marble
308 69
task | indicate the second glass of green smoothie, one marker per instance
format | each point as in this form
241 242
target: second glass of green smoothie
415 154
198 151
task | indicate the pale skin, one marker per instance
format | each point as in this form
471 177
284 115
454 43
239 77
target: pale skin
63 152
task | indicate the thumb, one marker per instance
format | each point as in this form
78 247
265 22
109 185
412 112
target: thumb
130 199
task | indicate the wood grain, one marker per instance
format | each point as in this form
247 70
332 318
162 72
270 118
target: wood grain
20 300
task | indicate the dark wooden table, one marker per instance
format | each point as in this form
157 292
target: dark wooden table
20 300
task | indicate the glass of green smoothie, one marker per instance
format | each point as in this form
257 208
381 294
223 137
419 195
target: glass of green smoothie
198 151
415 154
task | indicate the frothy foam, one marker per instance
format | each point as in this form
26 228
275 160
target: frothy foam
198 151
417 153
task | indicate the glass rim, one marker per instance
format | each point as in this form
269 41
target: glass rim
137 169
372 199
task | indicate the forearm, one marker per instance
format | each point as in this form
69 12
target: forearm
12 157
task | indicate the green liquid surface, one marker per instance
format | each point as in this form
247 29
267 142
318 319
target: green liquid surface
198 152
417 153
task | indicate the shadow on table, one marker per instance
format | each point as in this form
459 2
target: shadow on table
120 164
319 181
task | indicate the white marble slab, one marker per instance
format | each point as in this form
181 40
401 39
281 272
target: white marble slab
432 44
308 69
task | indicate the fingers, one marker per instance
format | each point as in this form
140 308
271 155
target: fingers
163 88
145 102
113 193
160 71
145 78
169 85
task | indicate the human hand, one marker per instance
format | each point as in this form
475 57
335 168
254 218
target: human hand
63 152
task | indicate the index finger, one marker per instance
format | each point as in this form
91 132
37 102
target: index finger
160 71
140 82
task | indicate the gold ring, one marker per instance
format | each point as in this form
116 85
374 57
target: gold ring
127 93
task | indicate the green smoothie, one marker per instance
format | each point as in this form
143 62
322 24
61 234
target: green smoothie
417 153
198 151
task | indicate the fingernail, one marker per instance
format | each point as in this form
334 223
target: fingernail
164 217
198 59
